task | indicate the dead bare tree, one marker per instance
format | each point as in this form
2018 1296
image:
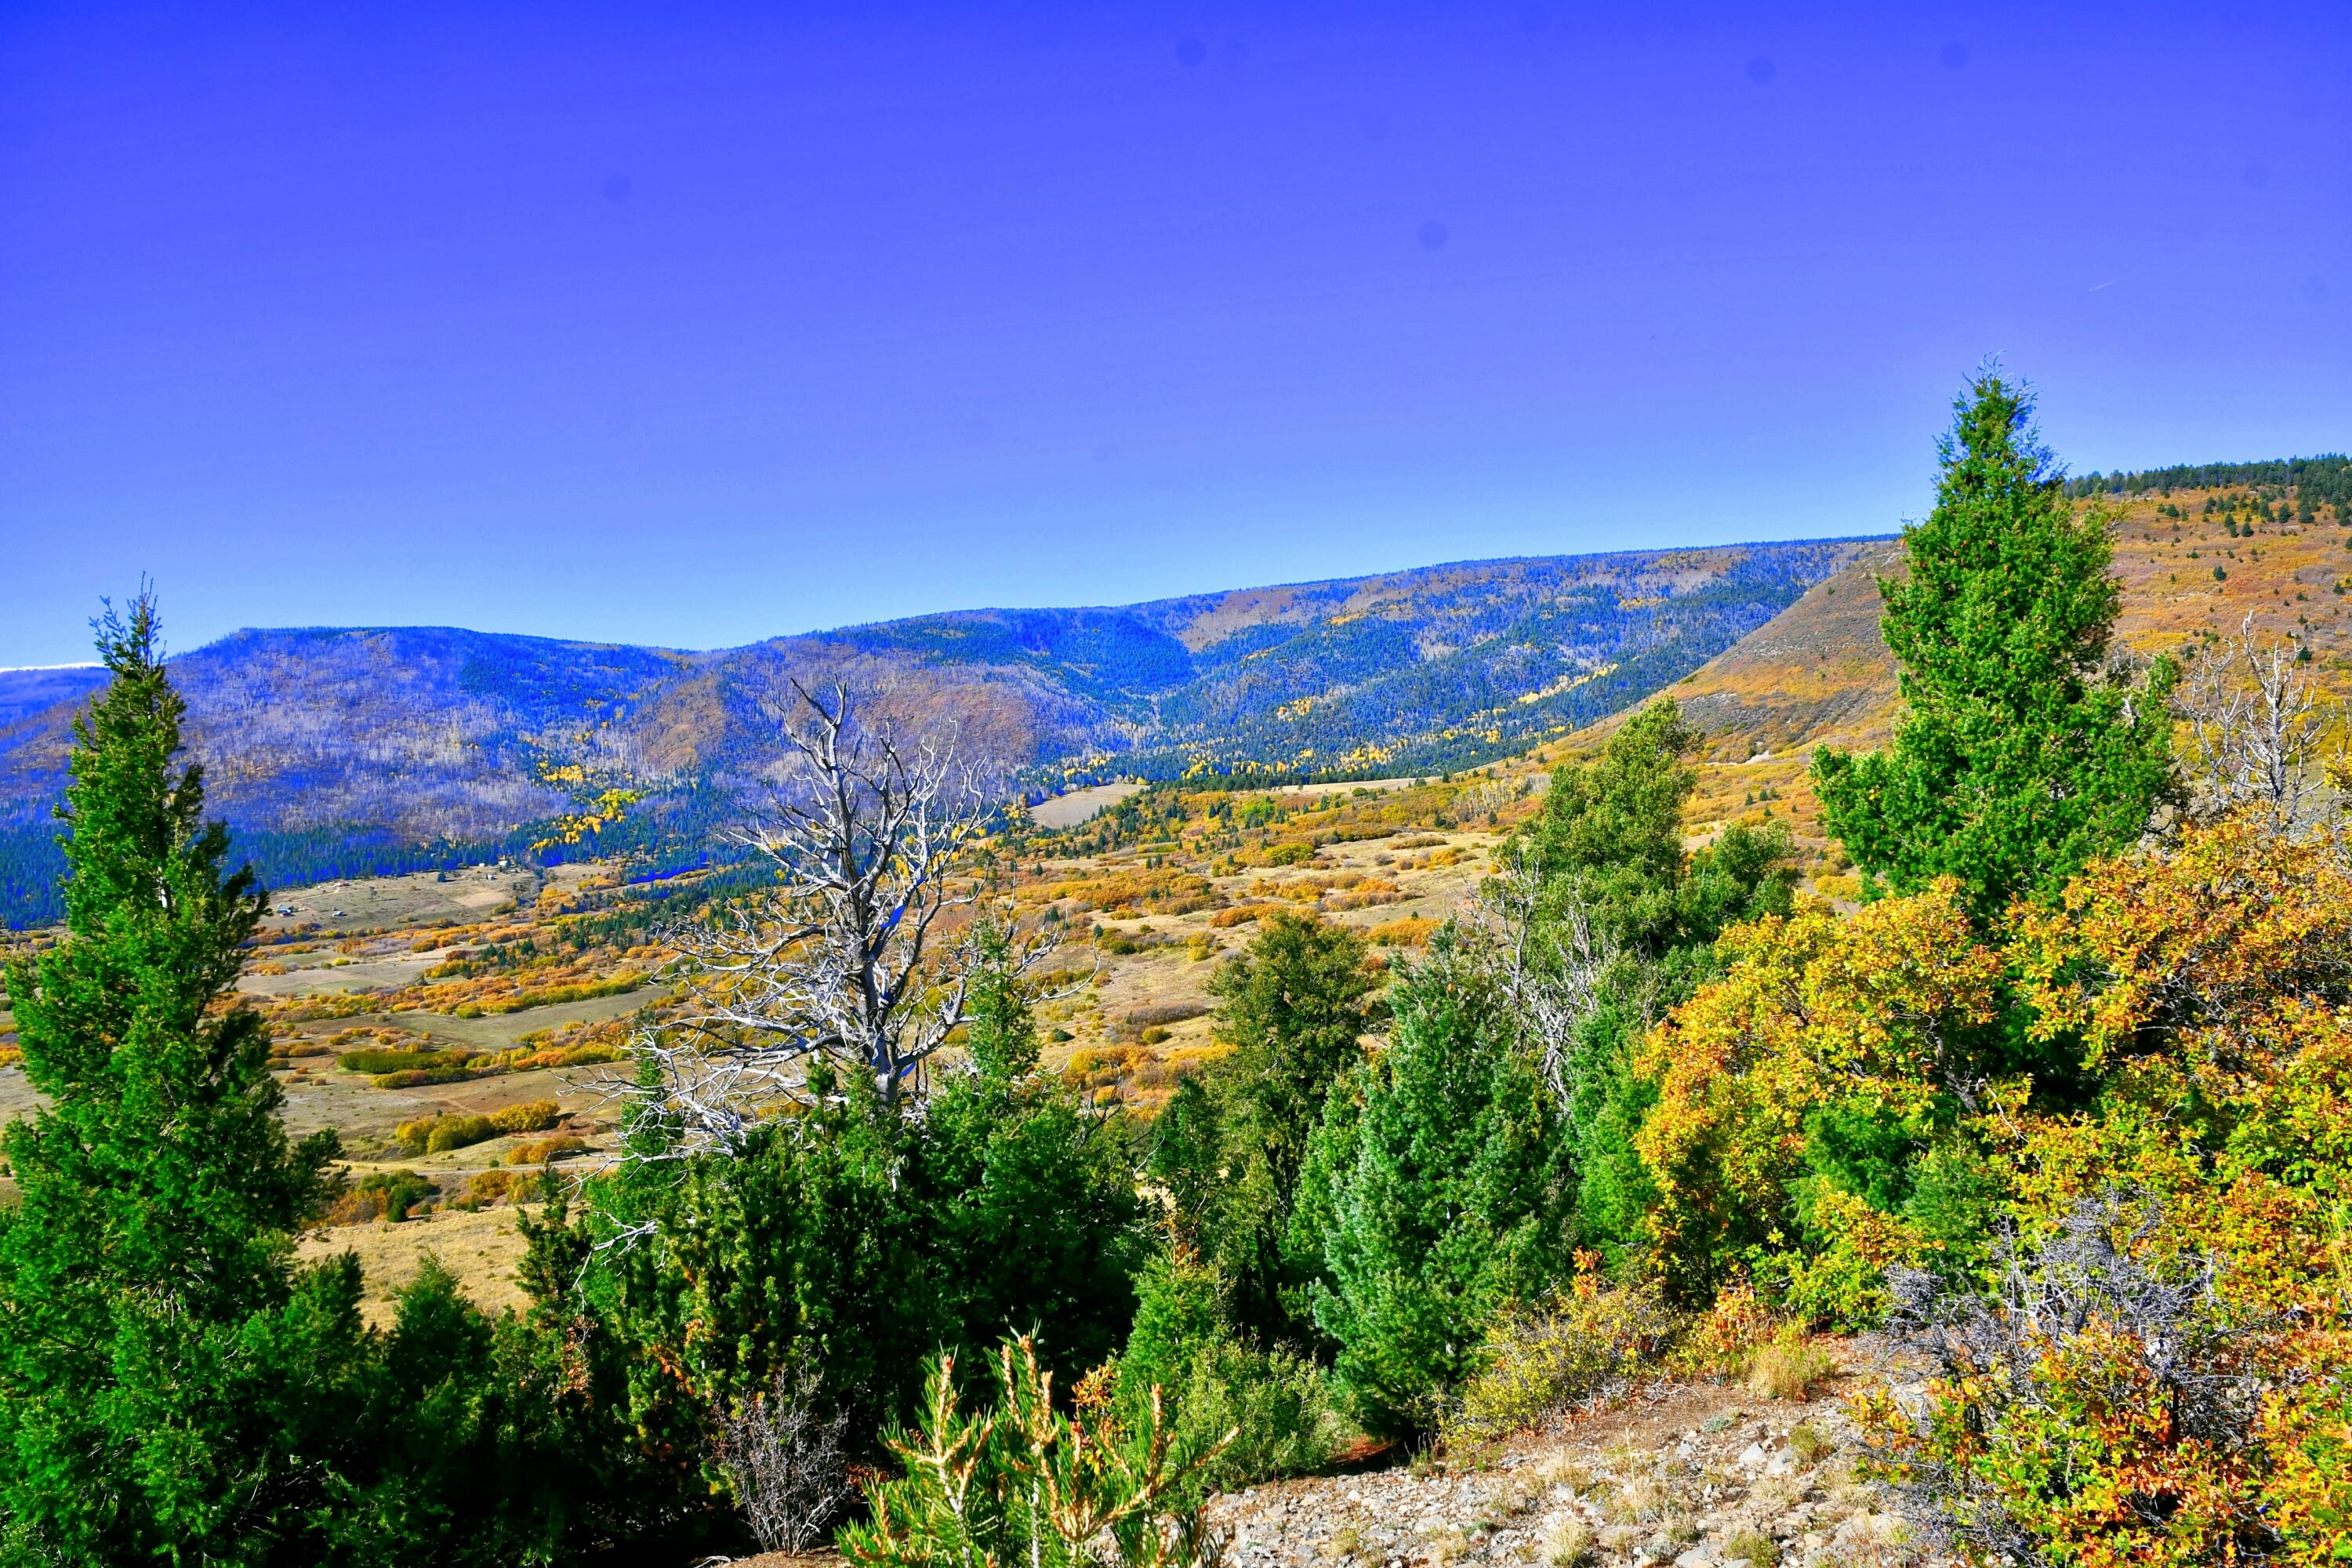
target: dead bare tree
2256 720
860 959
1548 962
785 1463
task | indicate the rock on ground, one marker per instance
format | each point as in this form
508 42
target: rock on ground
1693 1475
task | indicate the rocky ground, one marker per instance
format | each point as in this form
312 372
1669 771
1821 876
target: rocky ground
1696 1475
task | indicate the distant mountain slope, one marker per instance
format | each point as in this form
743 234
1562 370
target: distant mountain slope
26 692
336 750
2193 558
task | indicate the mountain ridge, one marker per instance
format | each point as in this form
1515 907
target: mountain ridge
416 737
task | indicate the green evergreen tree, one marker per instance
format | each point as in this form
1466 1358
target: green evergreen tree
1295 1007
1610 837
2017 759
170 1387
1608 843
999 1029
1456 1200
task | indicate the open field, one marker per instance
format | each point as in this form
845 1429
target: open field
1081 804
492 963
480 1248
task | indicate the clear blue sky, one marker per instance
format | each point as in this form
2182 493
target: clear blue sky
693 324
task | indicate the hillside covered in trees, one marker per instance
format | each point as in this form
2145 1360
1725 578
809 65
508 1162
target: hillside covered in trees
355 752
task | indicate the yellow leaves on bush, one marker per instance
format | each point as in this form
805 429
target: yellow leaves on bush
2307 1428
1539 1363
2209 940
1725 1335
1164 889
1814 1008
1845 1283
535 1116
1410 931
439 1134
545 1150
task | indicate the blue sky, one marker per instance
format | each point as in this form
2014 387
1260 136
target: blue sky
693 324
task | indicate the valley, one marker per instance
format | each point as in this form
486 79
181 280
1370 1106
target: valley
530 979
466 1031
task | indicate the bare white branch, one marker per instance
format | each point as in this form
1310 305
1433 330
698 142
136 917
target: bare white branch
1549 964
2256 720
861 955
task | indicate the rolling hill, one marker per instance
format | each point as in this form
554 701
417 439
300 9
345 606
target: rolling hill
2197 550
338 751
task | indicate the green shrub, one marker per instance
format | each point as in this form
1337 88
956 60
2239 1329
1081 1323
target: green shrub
387 1196
1809 1445
1451 1203
1274 1409
1025 1483
383 1061
1540 1362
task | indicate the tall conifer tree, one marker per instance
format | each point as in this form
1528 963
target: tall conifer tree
2017 759
168 1382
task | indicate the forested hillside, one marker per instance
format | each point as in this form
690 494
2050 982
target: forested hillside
357 751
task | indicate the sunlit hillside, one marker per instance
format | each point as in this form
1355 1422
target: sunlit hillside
2194 563
344 752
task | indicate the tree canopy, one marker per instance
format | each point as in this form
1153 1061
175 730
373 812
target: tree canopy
2019 756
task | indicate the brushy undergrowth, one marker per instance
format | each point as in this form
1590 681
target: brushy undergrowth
1024 1482
1542 1362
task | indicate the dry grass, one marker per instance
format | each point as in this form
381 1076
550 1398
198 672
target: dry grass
480 1248
1569 1543
1789 1367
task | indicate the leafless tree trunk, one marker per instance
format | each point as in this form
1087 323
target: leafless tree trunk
2256 720
858 960
1549 969
786 1463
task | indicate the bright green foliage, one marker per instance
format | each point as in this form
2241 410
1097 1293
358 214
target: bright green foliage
1001 1033
1230 1148
1613 831
169 1384
1611 839
1023 1483
1296 1006
1029 1219
1275 1404
1455 1201
1609 845
2017 759
859 1240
